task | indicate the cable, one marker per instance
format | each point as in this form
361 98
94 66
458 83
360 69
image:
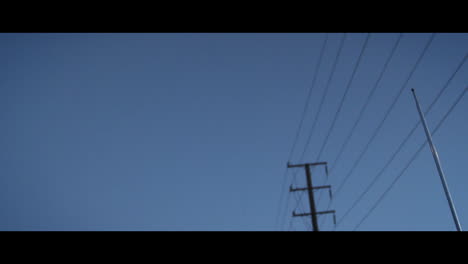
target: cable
377 130
356 66
415 155
403 142
324 95
306 106
348 86
364 107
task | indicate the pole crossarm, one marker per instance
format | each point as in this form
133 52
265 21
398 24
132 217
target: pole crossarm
291 189
294 214
326 212
310 164
305 164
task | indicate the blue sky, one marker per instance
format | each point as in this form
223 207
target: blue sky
192 131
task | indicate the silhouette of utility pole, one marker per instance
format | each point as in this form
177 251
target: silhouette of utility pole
310 190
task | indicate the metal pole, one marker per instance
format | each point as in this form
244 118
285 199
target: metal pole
437 162
311 198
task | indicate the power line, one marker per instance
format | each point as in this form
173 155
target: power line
306 106
322 100
348 86
364 107
324 95
380 173
415 155
377 130
356 66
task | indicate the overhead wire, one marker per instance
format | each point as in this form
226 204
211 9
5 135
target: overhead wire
324 95
389 110
343 98
309 93
366 104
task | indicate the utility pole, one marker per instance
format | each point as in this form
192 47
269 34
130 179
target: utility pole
310 190
439 167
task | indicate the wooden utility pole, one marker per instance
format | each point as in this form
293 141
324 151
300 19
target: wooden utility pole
310 190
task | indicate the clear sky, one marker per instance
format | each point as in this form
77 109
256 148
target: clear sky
192 131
